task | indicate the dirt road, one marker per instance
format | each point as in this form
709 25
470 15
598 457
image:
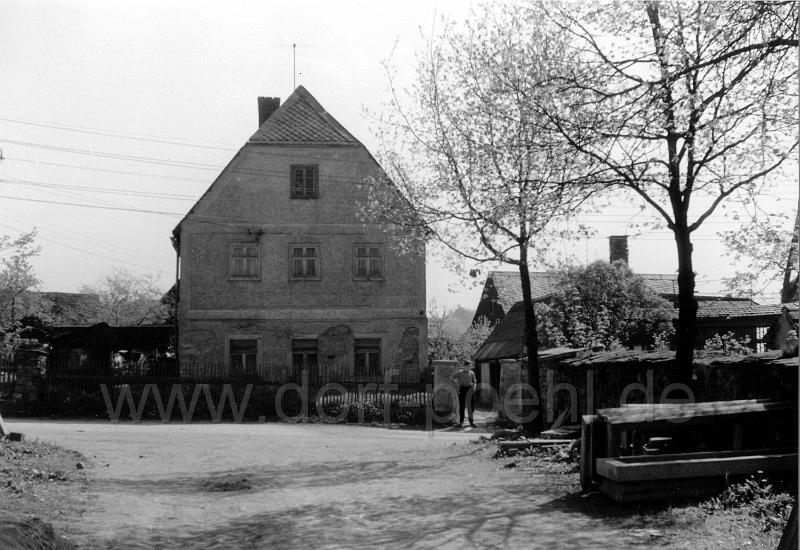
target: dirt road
314 486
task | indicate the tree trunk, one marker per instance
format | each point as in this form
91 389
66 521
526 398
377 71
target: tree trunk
789 289
531 338
686 331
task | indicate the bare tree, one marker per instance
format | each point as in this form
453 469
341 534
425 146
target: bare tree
475 170
125 299
686 103
768 244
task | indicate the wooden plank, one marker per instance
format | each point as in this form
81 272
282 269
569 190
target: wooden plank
617 470
732 402
682 413
706 454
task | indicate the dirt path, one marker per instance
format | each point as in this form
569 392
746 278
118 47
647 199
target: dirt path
315 486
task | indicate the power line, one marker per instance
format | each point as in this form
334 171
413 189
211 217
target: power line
141 137
126 172
143 211
93 253
172 196
51 227
132 158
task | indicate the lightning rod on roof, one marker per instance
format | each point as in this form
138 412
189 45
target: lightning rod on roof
294 66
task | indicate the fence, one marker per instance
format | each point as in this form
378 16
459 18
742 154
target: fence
155 390
8 377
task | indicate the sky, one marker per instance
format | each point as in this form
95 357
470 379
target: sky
116 116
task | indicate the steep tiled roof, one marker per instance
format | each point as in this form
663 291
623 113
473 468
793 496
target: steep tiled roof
301 119
509 288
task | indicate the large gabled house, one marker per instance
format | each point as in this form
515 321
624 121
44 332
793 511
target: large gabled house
279 275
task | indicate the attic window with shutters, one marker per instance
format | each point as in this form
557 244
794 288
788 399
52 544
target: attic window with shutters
305 181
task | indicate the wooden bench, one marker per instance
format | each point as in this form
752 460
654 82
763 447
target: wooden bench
741 431
636 478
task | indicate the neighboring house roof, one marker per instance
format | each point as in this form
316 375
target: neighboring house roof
509 288
302 119
507 338
727 309
544 285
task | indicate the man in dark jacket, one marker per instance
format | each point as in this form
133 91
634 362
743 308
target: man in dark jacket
465 380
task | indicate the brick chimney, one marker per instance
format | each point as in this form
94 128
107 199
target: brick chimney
618 248
267 106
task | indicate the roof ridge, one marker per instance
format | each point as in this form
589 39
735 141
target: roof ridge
301 118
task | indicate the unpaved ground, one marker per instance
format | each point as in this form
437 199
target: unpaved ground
325 486
37 483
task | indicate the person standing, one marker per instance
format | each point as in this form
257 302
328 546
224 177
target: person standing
465 380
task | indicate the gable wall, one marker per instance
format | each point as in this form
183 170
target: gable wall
250 203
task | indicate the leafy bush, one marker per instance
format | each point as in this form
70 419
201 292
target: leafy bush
728 344
605 305
759 497
371 410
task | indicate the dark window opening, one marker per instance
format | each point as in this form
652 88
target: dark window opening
305 262
243 355
305 182
304 356
244 261
368 357
369 262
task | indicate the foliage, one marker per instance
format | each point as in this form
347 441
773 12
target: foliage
759 497
770 249
445 343
728 344
684 103
17 276
469 165
605 305
372 410
125 299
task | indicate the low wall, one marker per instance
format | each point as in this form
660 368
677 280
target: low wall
610 380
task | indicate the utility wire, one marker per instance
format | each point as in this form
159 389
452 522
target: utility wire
172 196
103 256
110 170
84 130
143 211
132 158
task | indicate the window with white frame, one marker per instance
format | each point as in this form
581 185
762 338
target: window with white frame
244 261
243 353
368 262
305 181
368 356
305 261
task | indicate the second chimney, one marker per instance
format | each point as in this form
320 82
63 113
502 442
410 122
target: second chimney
267 106
618 248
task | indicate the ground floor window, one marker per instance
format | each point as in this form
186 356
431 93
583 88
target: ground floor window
304 356
243 353
368 356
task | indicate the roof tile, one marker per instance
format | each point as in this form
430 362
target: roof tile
301 119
